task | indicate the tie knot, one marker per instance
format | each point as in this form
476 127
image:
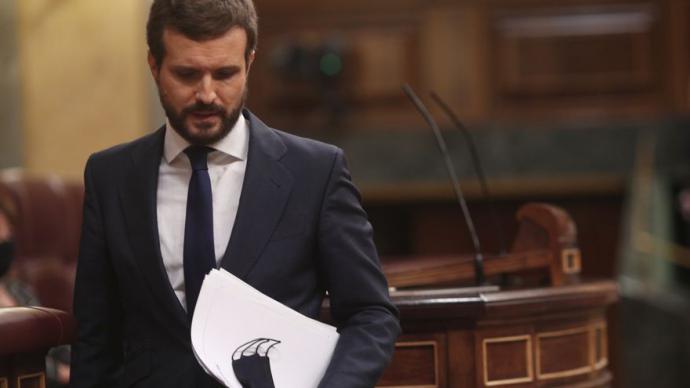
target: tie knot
198 156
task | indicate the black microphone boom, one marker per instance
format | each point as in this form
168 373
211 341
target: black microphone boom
478 258
477 166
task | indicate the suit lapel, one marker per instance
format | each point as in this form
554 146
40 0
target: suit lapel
265 191
138 196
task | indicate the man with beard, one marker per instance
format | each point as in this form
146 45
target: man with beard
216 187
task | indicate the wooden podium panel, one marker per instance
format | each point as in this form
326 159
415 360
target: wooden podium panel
483 337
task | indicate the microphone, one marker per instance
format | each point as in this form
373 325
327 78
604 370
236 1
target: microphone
478 258
476 162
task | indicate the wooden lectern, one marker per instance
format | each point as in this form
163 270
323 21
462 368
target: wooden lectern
543 334
547 334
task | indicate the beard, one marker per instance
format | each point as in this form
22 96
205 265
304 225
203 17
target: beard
206 134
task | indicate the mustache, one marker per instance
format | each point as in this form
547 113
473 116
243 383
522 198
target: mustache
200 107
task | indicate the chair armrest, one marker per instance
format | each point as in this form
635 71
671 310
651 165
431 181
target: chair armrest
31 329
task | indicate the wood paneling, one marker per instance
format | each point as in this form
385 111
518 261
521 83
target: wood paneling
23 370
522 338
507 360
33 380
678 54
462 361
579 57
378 51
526 59
552 359
435 227
418 361
573 50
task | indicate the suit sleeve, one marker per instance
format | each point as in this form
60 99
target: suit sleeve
97 352
367 320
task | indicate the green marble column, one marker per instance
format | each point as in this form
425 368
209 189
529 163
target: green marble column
10 97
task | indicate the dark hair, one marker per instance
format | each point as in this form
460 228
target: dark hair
200 20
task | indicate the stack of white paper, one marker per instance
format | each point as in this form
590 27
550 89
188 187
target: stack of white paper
230 313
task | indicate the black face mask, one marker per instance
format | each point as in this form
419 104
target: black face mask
6 256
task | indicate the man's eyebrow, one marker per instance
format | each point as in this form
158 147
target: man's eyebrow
184 67
228 68
192 67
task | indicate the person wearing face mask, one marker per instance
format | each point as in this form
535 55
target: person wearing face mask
14 292
6 247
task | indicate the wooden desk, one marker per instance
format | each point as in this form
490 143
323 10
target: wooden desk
552 336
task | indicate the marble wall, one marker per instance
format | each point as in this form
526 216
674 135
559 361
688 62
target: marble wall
84 81
10 106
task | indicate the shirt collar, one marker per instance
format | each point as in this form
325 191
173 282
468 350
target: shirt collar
235 144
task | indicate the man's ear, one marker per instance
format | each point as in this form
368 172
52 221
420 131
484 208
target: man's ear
153 66
250 60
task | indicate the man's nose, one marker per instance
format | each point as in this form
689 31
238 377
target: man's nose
206 92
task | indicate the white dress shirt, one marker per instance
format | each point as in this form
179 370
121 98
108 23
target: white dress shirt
226 168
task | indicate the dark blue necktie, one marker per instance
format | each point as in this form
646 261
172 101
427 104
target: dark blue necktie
199 252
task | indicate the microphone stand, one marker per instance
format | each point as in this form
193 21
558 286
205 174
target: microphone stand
478 257
476 162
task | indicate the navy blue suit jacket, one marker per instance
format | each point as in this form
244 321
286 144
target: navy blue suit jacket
300 231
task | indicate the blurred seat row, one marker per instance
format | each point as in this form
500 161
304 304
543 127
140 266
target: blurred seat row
46 235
